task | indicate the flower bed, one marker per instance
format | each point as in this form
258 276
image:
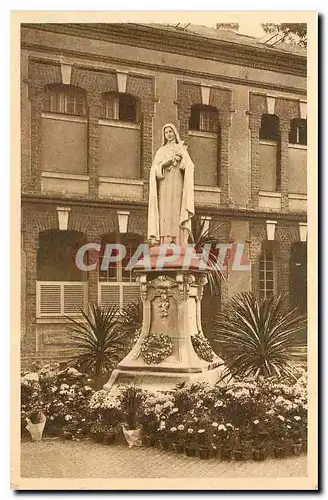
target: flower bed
249 419
62 395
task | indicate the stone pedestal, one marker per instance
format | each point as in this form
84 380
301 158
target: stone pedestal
171 305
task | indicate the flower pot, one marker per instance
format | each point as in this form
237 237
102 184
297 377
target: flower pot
36 430
279 452
226 453
204 452
98 438
238 455
163 444
67 434
132 436
109 439
148 440
178 447
297 449
190 451
259 455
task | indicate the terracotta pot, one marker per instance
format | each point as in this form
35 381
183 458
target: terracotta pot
109 439
259 455
178 447
204 452
238 455
148 440
226 453
279 452
132 436
297 449
190 451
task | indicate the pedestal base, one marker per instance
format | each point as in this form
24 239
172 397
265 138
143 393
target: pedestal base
154 381
171 310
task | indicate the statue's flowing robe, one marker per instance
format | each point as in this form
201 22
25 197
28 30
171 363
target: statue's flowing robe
171 196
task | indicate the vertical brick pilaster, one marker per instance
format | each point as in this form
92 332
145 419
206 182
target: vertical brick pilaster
284 162
254 124
94 98
36 100
93 275
283 274
225 122
30 244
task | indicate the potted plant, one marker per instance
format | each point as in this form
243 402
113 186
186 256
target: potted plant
35 425
278 450
110 434
131 399
98 431
204 449
177 438
190 443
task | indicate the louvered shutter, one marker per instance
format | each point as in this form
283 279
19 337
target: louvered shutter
48 299
131 292
74 298
109 294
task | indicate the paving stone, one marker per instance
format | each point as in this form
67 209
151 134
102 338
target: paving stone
86 459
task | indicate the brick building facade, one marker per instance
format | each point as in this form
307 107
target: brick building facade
94 98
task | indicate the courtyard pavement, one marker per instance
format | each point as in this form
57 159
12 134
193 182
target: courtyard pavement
87 459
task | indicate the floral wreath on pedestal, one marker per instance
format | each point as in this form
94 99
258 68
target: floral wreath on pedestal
202 347
156 347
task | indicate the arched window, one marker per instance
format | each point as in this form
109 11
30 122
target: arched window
269 130
298 131
65 99
204 118
204 144
267 273
123 107
117 285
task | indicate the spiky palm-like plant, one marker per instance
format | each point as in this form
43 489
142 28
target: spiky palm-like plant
257 337
202 239
131 316
98 341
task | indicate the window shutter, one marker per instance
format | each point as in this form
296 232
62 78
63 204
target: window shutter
130 293
74 298
109 294
49 299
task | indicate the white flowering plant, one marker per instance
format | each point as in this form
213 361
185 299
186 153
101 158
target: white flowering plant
245 414
62 394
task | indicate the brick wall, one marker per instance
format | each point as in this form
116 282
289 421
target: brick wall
95 83
286 110
286 234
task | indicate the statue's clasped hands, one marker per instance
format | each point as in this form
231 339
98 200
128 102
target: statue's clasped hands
176 159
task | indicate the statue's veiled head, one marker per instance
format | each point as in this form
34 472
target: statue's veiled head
170 134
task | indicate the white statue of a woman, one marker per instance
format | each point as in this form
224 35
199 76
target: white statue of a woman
171 191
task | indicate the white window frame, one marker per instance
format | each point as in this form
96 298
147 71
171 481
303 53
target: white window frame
264 290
